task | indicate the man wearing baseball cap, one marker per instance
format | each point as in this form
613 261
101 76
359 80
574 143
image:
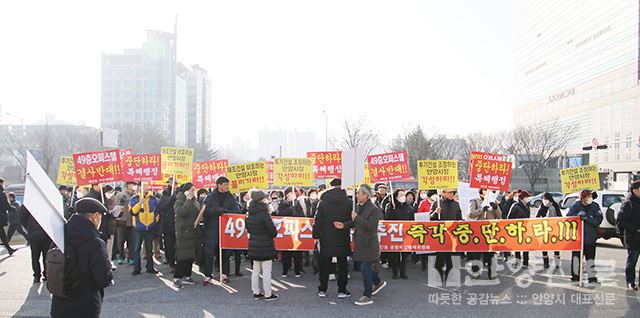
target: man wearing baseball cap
91 264
591 215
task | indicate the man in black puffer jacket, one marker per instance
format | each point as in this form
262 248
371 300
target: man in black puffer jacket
39 243
521 210
629 223
286 208
91 266
168 225
262 249
334 209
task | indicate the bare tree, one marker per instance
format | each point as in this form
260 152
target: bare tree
143 138
537 145
419 147
204 153
481 142
356 133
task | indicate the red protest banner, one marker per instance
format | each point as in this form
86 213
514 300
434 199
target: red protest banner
141 167
269 171
540 234
326 164
294 234
388 166
98 166
205 173
489 171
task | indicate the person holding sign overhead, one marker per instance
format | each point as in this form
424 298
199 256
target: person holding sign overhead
446 209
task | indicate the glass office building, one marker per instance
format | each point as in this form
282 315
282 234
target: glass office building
577 62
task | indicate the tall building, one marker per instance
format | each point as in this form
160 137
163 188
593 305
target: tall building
149 86
577 61
137 85
200 112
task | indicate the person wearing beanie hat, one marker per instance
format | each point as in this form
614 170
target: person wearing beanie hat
591 215
521 210
257 195
91 265
218 202
262 248
288 208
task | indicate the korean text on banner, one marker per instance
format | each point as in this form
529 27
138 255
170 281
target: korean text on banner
388 166
292 172
98 166
66 172
437 174
578 178
205 174
541 234
489 171
246 176
176 160
141 167
326 164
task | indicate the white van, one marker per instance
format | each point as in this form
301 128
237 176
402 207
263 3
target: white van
610 203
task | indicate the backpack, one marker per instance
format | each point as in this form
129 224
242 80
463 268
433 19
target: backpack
63 277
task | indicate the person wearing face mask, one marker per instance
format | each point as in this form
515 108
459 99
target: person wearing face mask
275 196
411 201
188 238
447 209
286 208
521 210
262 249
591 216
399 210
124 224
309 207
629 225
91 266
381 196
549 209
479 212
430 196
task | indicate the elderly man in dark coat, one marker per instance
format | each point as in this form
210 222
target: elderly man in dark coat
334 208
366 245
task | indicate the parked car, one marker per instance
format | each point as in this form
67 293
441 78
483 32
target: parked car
536 200
610 203
18 189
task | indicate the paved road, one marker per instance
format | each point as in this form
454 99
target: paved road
523 293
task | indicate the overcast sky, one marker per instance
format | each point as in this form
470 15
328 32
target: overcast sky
446 65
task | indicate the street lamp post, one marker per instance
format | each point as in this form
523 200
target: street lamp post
326 130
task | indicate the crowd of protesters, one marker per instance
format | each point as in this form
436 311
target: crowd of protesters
178 226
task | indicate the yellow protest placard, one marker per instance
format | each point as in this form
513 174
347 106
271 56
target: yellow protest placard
437 174
579 178
292 172
176 160
244 177
66 172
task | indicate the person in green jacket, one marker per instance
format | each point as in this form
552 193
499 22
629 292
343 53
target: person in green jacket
187 237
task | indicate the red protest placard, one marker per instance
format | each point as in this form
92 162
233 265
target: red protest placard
388 166
326 164
269 171
141 167
205 173
489 171
538 234
98 166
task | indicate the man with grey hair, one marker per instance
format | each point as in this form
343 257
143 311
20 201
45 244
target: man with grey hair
366 246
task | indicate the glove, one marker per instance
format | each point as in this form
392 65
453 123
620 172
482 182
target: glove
493 206
485 209
582 214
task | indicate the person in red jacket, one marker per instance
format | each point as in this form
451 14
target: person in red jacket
425 204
